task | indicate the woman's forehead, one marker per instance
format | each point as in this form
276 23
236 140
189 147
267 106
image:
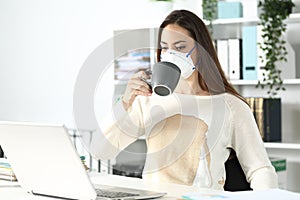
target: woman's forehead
173 33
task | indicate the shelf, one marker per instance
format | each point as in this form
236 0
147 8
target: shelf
282 145
290 151
293 18
123 83
254 82
248 21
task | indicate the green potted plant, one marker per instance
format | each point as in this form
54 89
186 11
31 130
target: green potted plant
272 15
209 8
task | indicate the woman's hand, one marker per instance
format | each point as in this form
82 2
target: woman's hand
136 86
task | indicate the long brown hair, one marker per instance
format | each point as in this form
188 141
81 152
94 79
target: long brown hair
211 76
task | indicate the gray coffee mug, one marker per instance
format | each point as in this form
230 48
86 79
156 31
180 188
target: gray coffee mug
165 77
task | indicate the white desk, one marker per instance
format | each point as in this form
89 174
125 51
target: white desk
12 191
173 190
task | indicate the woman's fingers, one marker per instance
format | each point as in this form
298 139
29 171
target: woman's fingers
139 85
136 86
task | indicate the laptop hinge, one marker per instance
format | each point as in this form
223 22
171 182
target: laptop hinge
52 196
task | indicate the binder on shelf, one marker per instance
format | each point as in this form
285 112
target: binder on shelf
222 51
249 44
235 59
267 113
227 10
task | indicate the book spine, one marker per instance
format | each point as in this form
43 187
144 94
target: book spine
267 113
250 101
259 115
272 119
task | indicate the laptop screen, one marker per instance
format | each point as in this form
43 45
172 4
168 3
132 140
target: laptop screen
45 160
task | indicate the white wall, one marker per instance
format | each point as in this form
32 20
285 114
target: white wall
43 46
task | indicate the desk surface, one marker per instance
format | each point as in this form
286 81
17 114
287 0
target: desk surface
12 191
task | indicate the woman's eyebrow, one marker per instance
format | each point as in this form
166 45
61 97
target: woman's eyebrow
180 41
177 42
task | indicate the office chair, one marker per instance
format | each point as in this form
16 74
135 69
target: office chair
235 176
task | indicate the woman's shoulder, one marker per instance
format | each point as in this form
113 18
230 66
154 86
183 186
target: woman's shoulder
235 102
239 109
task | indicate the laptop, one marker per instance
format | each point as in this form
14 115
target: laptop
46 163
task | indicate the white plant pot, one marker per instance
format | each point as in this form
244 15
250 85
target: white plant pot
194 6
160 9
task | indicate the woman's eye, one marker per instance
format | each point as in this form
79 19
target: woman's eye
164 48
180 48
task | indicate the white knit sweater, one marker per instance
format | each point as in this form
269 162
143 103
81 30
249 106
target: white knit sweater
189 139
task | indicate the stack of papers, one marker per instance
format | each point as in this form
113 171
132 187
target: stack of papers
6 172
274 194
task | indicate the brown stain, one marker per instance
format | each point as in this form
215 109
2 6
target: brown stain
185 148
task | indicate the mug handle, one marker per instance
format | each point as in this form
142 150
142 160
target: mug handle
148 83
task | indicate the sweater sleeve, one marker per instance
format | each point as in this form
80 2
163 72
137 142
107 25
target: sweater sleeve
249 147
117 131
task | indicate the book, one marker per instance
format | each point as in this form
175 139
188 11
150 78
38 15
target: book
259 116
267 113
6 172
130 63
280 167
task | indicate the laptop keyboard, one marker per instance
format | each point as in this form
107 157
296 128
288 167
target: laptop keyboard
113 194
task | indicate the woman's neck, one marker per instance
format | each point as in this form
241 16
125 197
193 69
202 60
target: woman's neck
188 86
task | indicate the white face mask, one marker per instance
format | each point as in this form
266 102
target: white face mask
182 60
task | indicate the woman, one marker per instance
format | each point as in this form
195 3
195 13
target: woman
190 133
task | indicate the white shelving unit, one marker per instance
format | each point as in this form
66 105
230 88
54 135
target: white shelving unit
284 150
254 82
289 148
293 18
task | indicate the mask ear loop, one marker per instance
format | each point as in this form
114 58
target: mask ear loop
197 64
189 53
